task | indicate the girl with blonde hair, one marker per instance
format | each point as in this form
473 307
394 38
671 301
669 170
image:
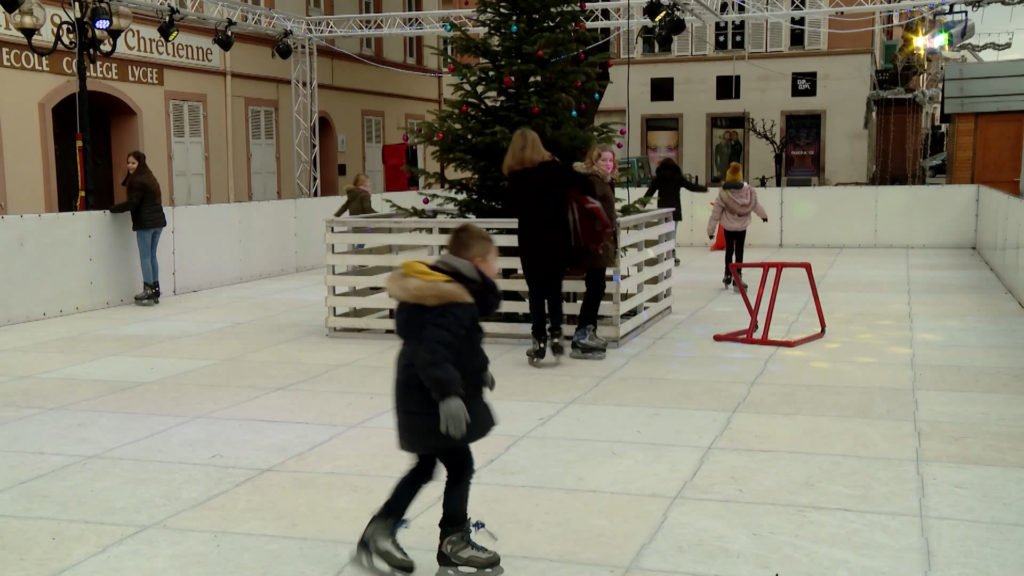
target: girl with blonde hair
537 186
601 168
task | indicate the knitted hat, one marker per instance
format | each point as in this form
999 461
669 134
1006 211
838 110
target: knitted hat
735 173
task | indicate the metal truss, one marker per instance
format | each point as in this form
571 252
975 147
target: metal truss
306 118
307 31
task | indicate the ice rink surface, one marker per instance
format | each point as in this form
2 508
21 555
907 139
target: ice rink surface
222 434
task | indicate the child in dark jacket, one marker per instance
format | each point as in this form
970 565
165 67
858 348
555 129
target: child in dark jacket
439 393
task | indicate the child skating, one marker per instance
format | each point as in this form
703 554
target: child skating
736 200
439 398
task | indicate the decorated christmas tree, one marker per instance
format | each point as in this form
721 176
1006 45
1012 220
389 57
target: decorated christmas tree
536 65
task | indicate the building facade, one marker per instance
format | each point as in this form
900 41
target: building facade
216 126
810 76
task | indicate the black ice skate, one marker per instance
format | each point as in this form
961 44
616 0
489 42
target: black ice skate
557 347
727 280
585 346
150 295
537 352
378 542
458 554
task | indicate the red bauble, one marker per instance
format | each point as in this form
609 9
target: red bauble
579 84
583 105
535 110
405 137
583 5
582 56
610 64
451 68
540 53
509 81
440 135
464 109
581 25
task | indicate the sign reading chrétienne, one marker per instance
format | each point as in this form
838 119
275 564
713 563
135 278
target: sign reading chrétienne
140 41
21 58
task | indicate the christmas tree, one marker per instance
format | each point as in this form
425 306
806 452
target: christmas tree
536 65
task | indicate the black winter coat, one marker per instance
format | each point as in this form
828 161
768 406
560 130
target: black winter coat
438 319
143 200
668 181
537 197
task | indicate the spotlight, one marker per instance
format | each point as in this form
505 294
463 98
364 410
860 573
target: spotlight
224 38
168 29
10 6
283 48
655 10
99 14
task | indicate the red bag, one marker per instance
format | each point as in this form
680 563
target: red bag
589 225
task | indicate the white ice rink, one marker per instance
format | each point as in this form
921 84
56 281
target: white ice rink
222 434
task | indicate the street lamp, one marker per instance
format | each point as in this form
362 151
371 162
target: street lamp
93 28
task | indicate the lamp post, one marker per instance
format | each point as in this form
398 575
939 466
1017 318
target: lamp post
92 28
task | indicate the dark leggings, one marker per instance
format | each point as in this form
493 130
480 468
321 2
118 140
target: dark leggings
545 288
595 282
734 243
459 464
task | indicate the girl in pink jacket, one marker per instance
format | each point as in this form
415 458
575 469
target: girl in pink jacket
736 200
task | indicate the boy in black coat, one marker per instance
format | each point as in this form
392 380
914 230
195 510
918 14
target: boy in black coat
441 376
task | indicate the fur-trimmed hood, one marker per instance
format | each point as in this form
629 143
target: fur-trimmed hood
582 168
737 197
418 283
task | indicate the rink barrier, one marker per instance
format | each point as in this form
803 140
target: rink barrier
363 251
1000 235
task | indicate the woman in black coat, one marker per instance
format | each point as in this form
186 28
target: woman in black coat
148 221
537 186
668 181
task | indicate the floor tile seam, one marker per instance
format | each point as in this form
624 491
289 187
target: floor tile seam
917 431
975 521
164 520
78 460
67 520
703 458
802 506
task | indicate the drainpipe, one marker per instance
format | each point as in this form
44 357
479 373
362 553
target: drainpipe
229 114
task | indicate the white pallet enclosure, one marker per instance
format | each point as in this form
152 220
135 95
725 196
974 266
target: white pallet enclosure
638 292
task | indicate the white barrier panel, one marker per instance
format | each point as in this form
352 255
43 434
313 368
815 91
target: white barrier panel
310 215
55 264
1000 235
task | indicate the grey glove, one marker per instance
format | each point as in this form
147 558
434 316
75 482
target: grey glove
489 381
454 417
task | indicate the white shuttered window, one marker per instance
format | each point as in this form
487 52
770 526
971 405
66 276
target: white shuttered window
262 153
188 153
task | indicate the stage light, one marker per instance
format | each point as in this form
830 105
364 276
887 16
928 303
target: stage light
224 39
283 48
100 17
10 6
168 29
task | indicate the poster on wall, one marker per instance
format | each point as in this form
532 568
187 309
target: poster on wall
727 139
803 146
662 139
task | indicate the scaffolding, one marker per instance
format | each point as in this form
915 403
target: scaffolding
307 32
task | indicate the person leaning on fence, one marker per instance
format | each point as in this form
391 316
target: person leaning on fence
536 195
601 169
148 221
668 181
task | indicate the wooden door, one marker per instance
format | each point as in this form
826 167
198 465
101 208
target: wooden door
998 154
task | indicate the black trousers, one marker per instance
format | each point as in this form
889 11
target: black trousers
545 286
734 244
595 282
459 464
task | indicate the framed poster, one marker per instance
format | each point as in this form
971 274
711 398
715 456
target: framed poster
662 138
803 155
727 143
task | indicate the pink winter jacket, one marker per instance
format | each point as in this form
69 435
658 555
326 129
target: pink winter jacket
733 206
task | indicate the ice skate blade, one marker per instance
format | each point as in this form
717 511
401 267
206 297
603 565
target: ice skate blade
363 561
467 571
